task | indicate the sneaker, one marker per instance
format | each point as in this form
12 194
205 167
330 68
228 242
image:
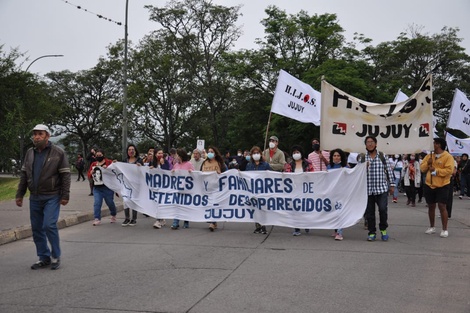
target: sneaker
126 222
395 200
460 197
55 264
212 226
40 264
186 224
257 231
96 222
384 235
113 219
263 230
157 225
91 194
296 233
334 234
444 234
430 230
132 223
371 237
162 222
339 237
408 202
175 226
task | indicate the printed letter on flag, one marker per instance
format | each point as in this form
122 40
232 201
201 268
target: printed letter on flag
457 146
459 116
296 100
403 127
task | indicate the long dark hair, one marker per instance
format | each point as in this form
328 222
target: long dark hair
344 160
217 156
181 152
135 149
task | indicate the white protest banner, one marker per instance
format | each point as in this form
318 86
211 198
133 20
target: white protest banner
296 100
459 116
401 96
457 146
404 127
317 200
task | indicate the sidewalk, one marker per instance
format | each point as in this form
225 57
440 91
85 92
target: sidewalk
15 223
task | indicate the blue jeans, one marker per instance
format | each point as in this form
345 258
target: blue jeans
397 184
381 201
44 215
100 193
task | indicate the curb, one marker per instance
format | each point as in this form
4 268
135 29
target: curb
22 232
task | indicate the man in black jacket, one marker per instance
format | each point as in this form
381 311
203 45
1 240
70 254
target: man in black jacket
46 173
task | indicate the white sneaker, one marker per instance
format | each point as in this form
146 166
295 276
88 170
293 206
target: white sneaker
96 222
157 225
444 234
430 230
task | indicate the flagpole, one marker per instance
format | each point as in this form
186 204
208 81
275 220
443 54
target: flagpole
267 131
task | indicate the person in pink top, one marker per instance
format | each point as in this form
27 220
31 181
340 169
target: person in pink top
182 162
320 159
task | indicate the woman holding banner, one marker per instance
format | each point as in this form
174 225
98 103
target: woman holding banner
257 163
338 160
159 161
213 163
299 164
182 162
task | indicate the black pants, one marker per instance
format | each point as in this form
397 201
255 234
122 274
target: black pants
450 198
127 215
411 191
80 174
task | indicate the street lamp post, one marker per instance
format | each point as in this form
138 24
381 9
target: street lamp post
44 56
22 136
124 91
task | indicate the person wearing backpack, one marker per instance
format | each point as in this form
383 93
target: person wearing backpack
379 180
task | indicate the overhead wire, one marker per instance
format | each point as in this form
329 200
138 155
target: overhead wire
88 11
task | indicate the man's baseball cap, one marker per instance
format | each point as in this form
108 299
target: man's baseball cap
274 138
42 127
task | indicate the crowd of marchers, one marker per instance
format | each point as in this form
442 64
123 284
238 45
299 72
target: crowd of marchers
434 177
46 173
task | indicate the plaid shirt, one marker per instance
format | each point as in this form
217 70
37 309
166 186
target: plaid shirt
377 182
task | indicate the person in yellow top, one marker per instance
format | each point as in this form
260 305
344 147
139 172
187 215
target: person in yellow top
439 166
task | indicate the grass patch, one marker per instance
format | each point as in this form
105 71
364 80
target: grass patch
8 188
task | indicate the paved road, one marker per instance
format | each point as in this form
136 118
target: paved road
110 268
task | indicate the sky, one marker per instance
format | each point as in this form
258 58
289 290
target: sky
43 27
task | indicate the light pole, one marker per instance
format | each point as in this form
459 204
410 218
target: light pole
44 56
22 136
124 91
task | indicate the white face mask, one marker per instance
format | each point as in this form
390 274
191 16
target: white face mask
239 154
296 156
272 145
412 157
256 156
396 156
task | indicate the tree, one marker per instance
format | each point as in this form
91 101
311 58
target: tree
24 102
161 91
201 32
405 62
90 107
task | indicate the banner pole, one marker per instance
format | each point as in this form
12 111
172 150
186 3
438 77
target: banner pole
267 131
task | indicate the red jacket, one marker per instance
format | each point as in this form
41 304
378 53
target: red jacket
107 162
